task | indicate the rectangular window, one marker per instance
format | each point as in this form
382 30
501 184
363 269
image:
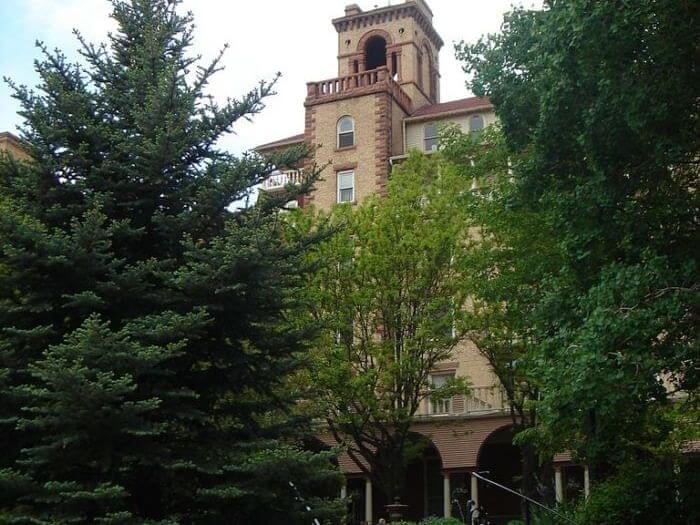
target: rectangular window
440 406
346 139
346 186
430 137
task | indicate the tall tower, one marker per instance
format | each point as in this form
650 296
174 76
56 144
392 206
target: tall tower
387 68
400 37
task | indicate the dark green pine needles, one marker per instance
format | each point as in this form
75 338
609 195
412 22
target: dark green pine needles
146 329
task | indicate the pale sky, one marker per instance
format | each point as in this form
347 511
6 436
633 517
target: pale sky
265 36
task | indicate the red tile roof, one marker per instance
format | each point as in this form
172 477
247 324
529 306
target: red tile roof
288 141
454 106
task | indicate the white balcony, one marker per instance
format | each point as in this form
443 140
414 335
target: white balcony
481 400
279 179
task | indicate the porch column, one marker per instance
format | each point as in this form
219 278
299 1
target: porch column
344 491
475 490
586 481
368 501
447 495
558 484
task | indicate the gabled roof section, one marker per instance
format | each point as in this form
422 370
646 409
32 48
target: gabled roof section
6 136
453 107
287 141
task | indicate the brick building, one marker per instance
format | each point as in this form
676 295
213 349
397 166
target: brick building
385 101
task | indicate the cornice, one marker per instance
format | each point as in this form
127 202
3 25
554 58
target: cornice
388 13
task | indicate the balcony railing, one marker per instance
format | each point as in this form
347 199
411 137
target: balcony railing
481 400
278 180
351 84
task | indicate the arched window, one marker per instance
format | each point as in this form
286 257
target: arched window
430 137
419 68
425 70
476 123
346 132
375 53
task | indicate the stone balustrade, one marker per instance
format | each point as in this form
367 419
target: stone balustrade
481 400
357 84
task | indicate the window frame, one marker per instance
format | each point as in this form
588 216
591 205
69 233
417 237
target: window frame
480 118
339 189
339 133
426 138
445 405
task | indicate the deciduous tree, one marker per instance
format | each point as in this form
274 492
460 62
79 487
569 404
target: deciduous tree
387 292
599 109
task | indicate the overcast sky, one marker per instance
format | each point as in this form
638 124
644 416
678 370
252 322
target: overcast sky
265 36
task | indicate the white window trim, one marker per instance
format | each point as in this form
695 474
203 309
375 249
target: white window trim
426 137
445 403
338 188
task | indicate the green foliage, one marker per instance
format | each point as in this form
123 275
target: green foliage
387 291
431 521
600 118
645 492
440 521
511 250
145 328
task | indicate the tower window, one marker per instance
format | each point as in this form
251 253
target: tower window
346 186
346 132
476 123
419 69
375 53
430 137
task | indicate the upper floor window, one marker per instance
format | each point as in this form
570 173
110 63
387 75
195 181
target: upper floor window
476 123
346 132
440 405
419 69
346 186
430 137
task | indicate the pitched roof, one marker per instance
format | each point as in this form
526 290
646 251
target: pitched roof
287 141
10 137
462 105
11 143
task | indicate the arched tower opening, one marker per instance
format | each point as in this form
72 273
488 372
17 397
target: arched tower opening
375 53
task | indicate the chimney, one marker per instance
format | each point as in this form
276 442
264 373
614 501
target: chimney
352 9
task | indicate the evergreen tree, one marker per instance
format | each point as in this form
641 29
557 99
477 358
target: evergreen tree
147 327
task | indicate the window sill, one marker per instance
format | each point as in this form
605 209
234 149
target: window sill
346 148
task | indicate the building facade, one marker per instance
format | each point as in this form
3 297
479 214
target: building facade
12 145
384 102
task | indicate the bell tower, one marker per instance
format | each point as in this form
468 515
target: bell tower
400 37
387 69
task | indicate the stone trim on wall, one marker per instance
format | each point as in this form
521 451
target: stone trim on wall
310 137
370 34
382 140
